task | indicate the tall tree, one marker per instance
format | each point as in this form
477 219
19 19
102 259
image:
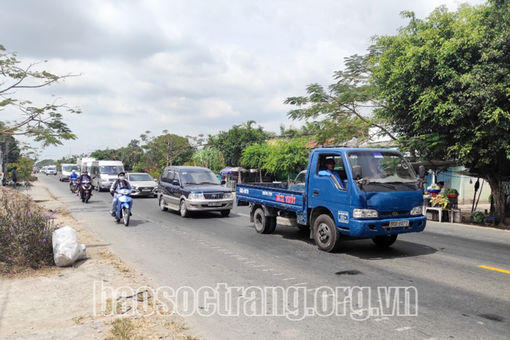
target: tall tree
256 156
209 158
344 109
287 155
231 143
445 85
44 123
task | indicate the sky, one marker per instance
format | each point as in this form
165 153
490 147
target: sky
190 67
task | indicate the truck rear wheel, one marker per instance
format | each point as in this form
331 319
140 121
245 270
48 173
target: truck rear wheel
325 234
263 224
384 241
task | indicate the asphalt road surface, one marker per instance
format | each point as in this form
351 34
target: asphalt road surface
443 294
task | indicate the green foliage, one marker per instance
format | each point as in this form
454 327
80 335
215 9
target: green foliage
445 87
44 123
10 147
25 232
287 155
451 191
343 110
209 158
167 149
24 166
231 143
45 162
478 217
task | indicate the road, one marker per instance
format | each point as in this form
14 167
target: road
455 298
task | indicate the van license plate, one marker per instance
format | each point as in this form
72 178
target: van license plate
397 224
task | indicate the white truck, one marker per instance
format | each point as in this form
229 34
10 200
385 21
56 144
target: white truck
104 173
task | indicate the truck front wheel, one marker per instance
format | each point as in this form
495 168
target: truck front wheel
263 224
384 241
325 234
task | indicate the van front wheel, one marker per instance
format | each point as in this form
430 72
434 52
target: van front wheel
325 234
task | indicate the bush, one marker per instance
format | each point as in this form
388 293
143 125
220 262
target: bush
25 232
478 217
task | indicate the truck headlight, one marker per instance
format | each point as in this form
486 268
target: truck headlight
227 195
364 213
416 211
196 196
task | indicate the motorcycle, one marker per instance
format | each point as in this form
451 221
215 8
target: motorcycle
86 190
73 185
124 205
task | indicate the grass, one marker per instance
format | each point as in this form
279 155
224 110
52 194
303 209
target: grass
122 329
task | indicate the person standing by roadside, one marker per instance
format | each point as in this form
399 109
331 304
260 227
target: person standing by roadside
15 176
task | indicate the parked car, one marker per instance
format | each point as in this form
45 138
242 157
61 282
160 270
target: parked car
189 188
142 184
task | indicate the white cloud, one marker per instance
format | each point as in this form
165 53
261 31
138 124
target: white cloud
189 66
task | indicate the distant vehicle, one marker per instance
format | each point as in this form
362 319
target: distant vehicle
188 188
353 192
43 170
142 184
66 171
104 173
85 163
51 170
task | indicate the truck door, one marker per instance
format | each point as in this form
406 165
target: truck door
328 186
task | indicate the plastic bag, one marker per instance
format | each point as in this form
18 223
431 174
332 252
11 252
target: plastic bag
66 249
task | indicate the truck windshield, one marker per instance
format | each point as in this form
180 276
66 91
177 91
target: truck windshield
110 169
199 176
385 168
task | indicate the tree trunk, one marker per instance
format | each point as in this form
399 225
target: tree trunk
498 196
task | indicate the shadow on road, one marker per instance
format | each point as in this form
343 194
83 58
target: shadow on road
364 249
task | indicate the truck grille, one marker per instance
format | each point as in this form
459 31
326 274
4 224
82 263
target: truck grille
399 213
214 195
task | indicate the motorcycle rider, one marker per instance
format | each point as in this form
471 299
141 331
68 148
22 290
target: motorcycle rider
84 176
120 183
72 177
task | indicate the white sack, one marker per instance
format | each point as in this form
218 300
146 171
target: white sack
66 249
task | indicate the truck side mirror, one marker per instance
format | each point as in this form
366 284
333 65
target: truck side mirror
175 182
223 182
421 171
356 172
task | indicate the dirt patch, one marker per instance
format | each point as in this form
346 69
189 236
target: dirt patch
57 302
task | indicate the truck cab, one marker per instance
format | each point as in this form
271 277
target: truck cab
355 192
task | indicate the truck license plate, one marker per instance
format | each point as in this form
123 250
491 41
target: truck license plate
396 224
215 204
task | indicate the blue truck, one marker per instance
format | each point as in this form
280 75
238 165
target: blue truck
344 193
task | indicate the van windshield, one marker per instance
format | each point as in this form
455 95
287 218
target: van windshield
385 168
110 169
198 176
69 168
